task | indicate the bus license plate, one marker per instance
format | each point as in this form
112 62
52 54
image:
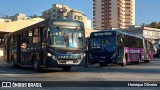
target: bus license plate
69 62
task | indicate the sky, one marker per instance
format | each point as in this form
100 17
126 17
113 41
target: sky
146 10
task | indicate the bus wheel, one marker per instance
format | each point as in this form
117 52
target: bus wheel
102 64
66 68
36 65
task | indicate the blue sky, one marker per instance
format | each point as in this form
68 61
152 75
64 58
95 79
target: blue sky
146 10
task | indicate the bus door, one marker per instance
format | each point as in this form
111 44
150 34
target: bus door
43 41
9 49
23 48
120 47
18 48
6 50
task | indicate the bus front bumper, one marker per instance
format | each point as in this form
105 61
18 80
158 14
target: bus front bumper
102 59
59 63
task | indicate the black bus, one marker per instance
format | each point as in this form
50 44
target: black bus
50 43
116 47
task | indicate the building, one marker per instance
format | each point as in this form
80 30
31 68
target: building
113 13
65 12
5 20
19 16
16 17
151 34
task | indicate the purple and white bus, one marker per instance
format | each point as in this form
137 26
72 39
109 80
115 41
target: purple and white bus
116 47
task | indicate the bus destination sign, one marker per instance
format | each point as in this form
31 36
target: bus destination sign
102 34
65 23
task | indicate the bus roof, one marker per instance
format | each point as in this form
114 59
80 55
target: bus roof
42 23
117 31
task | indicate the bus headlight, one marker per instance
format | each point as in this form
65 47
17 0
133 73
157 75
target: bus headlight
49 54
113 56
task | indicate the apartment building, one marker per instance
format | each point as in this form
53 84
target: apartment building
19 16
65 12
16 17
113 13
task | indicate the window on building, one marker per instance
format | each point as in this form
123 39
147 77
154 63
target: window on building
54 15
75 17
151 33
54 10
66 16
127 3
145 33
80 18
156 34
127 7
127 14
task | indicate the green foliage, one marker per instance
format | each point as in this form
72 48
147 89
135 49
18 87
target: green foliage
34 16
152 25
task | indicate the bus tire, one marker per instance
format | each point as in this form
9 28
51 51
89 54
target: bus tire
66 68
102 64
36 65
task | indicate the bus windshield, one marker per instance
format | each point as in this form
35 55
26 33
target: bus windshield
66 38
106 43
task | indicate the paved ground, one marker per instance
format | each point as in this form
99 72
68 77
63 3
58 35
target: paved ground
143 72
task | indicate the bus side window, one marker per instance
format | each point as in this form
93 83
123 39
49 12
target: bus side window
24 40
36 35
44 32
30 36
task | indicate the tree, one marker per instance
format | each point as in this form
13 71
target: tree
154 25
144 24
34 16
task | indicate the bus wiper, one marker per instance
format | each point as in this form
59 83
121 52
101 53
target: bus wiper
72 35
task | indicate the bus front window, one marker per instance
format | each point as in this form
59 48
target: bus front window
66 38
106 43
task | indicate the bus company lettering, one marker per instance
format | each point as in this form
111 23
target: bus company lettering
14 84
65 57
134 51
